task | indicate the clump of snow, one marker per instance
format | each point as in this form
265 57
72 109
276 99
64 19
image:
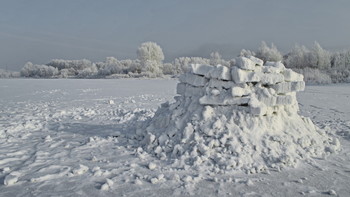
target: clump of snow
107 185
239 118
152 166
81 170
11 179
332 192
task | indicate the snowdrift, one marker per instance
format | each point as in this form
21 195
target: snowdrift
239 118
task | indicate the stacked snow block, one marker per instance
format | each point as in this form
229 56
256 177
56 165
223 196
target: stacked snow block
260 88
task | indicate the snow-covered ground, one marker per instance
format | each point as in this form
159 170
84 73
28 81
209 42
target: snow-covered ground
69 138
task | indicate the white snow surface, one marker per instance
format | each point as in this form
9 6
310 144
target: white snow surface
75 138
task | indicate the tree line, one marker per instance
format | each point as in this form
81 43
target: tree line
315 63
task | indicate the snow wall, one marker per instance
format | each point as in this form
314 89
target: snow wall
231 119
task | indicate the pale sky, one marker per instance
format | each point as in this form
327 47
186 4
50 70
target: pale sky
40 30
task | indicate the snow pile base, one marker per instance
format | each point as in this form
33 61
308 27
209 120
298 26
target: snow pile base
239 118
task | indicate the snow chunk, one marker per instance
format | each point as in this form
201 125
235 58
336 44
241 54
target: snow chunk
271 78
298 86
215 92
105 187
285 87
239 92
154 180
48 138
220 72
215 83
257 61
273 67
244 76
290 75
223 100
245 63
256 107
188 90
208 112
332 192
10 179
214 72
201 69
138 182
109 182
249 182
152 166
285 100
81 170
193 80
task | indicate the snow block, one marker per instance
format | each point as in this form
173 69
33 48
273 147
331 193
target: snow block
181 88
257 61
290 75
258 110
189 91
269 101
194 91
285 87
215 83
239 92
10 179
222 100
282 88
245 63
220 72
215 92
278 65
201 69
298 86
244 76
270 69
284 100
271 78
194 80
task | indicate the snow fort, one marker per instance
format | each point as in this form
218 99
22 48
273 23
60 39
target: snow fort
243 117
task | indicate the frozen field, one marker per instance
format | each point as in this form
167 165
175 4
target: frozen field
69 138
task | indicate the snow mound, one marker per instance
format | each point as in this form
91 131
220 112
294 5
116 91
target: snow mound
239 118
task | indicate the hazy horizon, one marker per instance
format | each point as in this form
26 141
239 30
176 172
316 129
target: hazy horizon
41 30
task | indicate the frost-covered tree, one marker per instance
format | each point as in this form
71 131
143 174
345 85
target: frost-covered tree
182 64
338 60
246 53
314 76
110 66
66 73
8 74
150 51
33 70
151 57
267 53
70 64
340 66
153 67
133 66
169 69
298 57
215 58
302 57
319 58
88 71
